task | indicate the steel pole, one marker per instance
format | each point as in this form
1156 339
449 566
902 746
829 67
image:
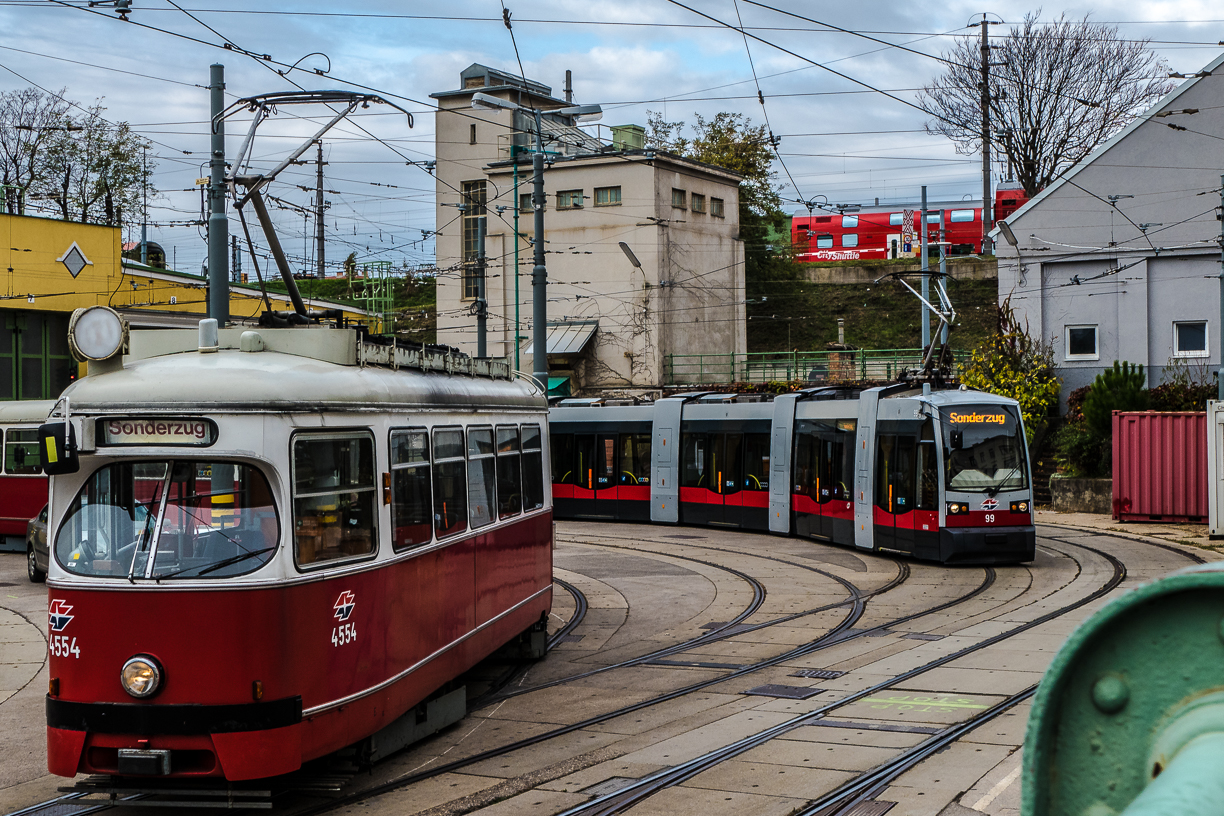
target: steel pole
1220 329
218 221
320 270
943 266
482 306
517 299
539 274
987 249
1190 786
926 272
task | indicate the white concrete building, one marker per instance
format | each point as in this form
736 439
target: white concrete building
1119 258
612 325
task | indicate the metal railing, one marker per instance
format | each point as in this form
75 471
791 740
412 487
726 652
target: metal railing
792 366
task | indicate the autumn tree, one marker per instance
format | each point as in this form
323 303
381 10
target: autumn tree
1057 91
29 120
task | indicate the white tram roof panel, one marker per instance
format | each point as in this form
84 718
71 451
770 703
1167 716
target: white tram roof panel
296 370
25 411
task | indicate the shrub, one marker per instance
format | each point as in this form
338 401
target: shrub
1121 388
1083 451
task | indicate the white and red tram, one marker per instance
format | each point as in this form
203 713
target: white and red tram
279 542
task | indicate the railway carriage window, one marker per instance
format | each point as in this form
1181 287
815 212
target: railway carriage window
562 457
482 475
533 468
850 239
849 222
962 216
170 520
411 524
756 461
990 451
509 473
895 219
21 452
694 467
824 241
335 498
449 483
635 459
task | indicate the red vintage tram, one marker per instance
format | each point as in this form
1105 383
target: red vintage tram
281 542
881 231
23 487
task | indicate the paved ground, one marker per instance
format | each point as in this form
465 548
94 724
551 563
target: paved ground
650 588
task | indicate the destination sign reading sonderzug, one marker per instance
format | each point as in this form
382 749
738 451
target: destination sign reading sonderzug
156 431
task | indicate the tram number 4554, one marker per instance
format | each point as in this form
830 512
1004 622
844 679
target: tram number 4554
346 633
64 646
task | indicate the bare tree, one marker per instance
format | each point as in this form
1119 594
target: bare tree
29 119
1057 91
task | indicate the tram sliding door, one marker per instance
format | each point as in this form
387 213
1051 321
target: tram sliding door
823 469
633 476
906 488
596 471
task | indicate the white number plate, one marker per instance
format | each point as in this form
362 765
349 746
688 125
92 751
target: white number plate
64 646
346 633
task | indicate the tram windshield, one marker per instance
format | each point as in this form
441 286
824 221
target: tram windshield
984 449
168 520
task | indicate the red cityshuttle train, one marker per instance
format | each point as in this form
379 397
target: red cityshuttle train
880 231
281 542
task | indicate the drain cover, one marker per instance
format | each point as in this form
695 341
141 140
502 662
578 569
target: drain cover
789 692
922 636
818 674
609 786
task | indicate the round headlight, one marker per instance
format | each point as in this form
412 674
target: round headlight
141 676
96 333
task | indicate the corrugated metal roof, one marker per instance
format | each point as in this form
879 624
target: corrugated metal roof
568 336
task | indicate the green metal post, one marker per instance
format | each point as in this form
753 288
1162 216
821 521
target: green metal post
1192 784
514 161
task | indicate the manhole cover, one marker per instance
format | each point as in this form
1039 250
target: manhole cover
609 786
788 692
922 636
818 674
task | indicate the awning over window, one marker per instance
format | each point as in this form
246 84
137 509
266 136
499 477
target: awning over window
568 336
558 386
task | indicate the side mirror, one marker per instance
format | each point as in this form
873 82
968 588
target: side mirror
958 439
57 448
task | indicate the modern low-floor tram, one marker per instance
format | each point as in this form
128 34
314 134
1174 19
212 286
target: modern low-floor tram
940 475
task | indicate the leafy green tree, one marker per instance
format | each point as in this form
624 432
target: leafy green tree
1121 388
1013 363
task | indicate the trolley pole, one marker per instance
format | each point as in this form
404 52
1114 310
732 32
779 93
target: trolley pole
539 273
218 221
926 273
482 303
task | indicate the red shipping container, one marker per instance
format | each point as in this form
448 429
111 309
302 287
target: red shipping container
1160 466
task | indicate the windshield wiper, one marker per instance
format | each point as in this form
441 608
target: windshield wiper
223 563
994 491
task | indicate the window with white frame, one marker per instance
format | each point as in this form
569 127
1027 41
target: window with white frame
896 219
850 239
849 221
1081 343
1190 339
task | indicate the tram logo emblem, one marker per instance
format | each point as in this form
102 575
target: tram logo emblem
990 504
344 605
57 615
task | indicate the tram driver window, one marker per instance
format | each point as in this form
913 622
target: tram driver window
449 483
334 496
509 473
481 476
411 525
533 468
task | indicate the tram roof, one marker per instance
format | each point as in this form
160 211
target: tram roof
272 379
29 411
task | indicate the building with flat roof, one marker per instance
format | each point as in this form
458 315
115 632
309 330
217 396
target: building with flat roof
642 247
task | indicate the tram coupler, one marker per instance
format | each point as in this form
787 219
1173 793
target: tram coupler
1129 718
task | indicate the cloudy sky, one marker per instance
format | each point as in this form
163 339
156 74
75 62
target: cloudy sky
838 139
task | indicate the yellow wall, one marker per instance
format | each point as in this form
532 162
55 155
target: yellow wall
33 246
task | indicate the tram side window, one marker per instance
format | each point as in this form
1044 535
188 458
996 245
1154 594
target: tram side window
533 468
694 465
635 459
449 483
482 476
837 465
334 496
562 457
509 473
927 469
756 461
21 452
805 463
411 525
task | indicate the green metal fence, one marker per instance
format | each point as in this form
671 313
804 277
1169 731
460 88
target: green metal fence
810 366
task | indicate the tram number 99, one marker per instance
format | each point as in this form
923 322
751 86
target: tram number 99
990 518
344 634
64 646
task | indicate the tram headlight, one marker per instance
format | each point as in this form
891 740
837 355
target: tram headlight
97 333
1019 507
141 676
958 509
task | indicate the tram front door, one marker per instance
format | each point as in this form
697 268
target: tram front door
595 475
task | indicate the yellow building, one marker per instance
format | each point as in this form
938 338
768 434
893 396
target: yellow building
53 267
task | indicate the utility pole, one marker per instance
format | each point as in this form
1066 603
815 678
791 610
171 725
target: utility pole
235 261
987 249
1220 373
539 273
943 268
926 272
144 217
319 208
482 303
218 221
